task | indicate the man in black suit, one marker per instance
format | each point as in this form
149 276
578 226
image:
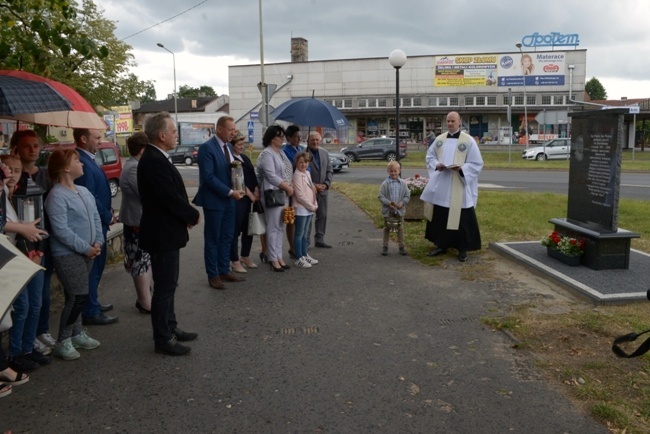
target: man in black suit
166 217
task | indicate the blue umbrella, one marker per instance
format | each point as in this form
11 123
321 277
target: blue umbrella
310 112
19 96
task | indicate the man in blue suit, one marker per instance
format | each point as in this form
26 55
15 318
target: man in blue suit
95 180
217 198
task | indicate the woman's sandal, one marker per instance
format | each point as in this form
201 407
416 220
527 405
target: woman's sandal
5 389
17 380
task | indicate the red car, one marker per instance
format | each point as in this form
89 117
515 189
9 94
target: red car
107 156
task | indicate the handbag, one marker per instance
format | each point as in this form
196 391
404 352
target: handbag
256 222
274 198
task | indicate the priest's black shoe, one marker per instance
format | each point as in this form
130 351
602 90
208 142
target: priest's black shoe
105 307
100 319
462 256
172 348
437 252
323 245
183 336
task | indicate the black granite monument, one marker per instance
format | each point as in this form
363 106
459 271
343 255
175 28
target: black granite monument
594 182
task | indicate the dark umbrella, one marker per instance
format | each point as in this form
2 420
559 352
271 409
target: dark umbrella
311 112
19 96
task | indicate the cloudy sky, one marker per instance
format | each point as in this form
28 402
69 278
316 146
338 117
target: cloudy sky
214 34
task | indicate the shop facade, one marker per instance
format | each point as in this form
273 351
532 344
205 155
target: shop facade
491 91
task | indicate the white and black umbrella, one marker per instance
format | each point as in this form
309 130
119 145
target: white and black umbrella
16 270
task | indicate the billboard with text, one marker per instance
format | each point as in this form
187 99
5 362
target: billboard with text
536 68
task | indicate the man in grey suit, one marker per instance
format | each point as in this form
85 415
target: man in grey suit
321 171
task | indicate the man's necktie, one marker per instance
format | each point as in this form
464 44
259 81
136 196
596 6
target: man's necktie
227 152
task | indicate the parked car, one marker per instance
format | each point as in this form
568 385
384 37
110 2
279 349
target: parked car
556 149
381 148
184 154
339 161
107 156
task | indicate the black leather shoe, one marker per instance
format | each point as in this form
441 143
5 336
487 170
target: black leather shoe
105 307
437 252
100 319
172 348
323 245
23 363
39 358
462 256
183 336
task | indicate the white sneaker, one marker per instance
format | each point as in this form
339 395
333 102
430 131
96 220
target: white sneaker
311 260
47 339
84 341
302 263
42 348
65 350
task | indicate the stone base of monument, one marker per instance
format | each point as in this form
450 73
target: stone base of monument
604 250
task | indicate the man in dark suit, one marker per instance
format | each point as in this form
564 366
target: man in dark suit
166 217
217 198
321 171
95 180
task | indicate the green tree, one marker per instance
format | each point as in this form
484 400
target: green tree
33 33
186 91
595 89
149 94
72 43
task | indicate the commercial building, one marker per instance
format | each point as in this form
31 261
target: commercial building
480 86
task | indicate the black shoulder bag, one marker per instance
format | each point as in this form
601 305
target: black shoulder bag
643 348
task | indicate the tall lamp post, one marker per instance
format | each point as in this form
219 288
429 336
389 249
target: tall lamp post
175 101
397 59
518 45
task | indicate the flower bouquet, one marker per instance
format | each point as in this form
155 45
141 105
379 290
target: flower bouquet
567 246
416 184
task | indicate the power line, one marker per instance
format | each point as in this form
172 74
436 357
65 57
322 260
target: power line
164 21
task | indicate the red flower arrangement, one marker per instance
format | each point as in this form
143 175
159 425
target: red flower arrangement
565 245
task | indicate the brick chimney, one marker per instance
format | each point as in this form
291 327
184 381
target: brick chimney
299 50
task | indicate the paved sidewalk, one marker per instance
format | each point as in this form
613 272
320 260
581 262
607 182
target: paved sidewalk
359 343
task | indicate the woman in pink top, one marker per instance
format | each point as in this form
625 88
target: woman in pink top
304 200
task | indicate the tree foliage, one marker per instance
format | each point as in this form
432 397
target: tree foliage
186 91
72 43
595 89
35 32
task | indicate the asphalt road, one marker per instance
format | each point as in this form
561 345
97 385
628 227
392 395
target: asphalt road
633 185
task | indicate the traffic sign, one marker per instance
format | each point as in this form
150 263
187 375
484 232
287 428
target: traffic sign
251 125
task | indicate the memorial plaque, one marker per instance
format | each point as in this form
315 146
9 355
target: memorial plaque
595 168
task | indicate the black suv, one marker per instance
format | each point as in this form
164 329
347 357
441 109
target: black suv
184 154
381 148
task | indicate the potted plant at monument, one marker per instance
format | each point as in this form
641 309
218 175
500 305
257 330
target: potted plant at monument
563 248
415 207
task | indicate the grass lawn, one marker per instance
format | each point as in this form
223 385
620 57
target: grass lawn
571 347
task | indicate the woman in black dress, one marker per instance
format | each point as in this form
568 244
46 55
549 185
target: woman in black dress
243 208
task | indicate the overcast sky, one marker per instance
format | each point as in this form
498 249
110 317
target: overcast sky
218 33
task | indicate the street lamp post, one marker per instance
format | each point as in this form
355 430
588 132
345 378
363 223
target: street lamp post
397 59
175 101
518 45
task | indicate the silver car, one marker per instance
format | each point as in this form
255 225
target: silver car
556 149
